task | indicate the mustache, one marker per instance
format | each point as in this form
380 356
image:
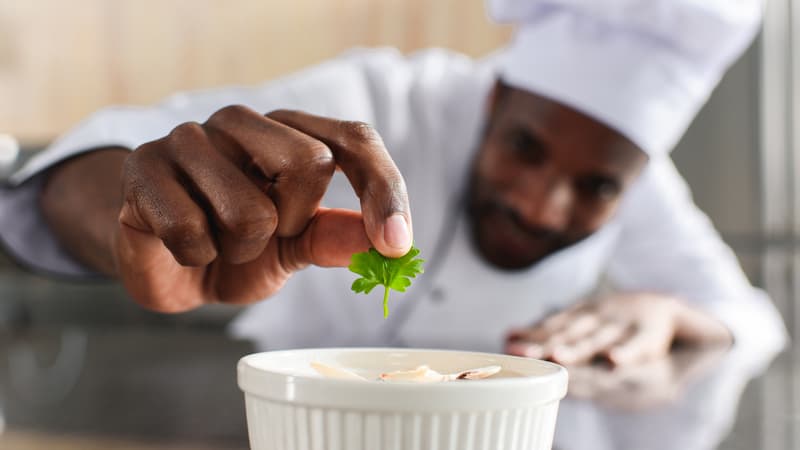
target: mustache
495 206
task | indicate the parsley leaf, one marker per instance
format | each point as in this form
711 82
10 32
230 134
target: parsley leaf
391 273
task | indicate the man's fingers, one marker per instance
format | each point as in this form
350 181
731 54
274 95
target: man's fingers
577 328
558 344
648 341
155 202
540 340
147 269
329 241
591 345
293 168
547 327
244 217
362 156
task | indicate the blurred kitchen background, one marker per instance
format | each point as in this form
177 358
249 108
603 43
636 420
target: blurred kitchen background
76 358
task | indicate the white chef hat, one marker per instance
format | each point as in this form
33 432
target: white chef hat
642 67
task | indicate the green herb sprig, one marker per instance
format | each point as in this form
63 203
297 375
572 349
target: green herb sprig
391 273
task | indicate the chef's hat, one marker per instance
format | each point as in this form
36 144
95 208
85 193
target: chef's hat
642 67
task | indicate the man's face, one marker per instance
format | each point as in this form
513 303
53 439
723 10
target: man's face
545 177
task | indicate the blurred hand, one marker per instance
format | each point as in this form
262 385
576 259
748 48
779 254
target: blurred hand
622 328
227 210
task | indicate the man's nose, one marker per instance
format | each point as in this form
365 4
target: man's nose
548 203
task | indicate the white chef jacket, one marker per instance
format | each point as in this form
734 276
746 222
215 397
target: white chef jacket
429 109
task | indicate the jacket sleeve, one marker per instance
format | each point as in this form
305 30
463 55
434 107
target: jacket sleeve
668 245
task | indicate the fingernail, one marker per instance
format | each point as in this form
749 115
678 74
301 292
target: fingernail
396 232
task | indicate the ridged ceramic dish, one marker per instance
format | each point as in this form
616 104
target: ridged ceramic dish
291 407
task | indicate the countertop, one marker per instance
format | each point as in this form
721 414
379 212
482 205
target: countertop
140 388
81 368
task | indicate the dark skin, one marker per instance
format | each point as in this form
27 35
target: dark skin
538 185
226 211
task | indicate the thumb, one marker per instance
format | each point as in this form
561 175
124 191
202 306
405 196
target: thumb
330 239
152 276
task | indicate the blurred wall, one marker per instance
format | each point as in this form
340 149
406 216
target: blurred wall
720 158
61 60
719 154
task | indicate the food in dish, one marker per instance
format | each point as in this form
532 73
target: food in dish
421 374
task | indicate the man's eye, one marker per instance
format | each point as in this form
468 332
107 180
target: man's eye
526 146
599 187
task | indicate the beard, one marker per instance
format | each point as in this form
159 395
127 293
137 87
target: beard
502 237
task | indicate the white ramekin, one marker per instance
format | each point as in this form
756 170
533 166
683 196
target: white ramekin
290 407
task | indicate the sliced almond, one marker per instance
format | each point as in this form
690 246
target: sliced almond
335 372
475 374
422 374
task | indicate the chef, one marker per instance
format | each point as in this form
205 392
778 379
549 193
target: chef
552 221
